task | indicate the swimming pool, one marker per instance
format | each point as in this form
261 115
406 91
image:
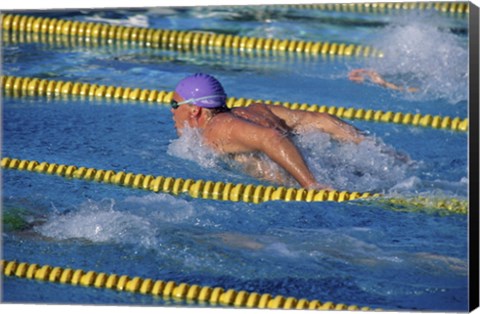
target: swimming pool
366 253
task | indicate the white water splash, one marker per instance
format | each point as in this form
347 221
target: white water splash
190 146
98 222
368 166
419 54
138 20
133 221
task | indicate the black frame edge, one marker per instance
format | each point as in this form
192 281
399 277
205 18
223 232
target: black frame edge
474 234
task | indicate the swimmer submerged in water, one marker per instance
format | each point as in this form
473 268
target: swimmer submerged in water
199 102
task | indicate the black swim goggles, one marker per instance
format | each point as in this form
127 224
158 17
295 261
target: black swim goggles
175 104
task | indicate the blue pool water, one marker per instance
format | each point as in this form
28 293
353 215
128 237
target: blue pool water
353 253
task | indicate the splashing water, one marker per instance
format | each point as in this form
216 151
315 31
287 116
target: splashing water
138 20
190 146
369 166
108 221
421 55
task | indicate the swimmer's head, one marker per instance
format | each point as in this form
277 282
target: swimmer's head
201 90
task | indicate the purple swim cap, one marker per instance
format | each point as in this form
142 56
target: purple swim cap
202 90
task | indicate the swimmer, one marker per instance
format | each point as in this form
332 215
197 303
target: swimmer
199 102
358 76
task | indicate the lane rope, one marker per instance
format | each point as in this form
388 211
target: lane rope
232 57
176 39
31 86
166 289
222 191
375 7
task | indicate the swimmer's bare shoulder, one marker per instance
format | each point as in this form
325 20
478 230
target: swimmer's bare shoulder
227 133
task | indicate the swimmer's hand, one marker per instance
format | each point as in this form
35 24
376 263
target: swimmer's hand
319 186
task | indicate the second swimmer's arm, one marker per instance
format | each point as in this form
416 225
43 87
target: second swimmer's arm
357 75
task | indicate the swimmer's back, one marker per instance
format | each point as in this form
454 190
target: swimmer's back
262 115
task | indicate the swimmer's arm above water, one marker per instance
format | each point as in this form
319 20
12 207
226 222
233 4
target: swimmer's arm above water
358 76
240 136
304 121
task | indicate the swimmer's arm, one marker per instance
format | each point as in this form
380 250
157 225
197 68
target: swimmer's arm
304 121
357 76
245 137
378 79
260 169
